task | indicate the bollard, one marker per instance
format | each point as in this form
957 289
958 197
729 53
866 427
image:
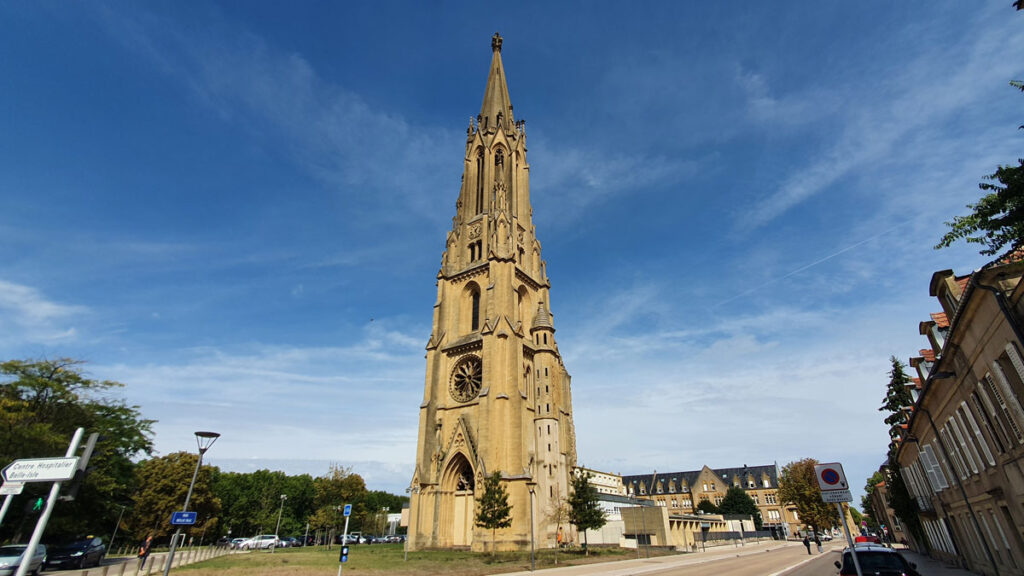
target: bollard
121 572
105 570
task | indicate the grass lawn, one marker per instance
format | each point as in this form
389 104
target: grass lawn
388 558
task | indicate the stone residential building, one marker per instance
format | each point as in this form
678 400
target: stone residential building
883 513
497 395
961 451
682 492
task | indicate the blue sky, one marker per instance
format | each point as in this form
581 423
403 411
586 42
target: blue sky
238 211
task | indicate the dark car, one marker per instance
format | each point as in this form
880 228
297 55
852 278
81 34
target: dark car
78 554
876 560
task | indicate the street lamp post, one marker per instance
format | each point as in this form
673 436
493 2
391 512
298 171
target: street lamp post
204 440
110 544
277 530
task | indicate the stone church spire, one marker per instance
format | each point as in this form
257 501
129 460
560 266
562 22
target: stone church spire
497 396
497 107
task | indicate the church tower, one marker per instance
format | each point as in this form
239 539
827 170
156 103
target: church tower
497 396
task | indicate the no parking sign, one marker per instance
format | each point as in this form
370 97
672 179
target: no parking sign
831 476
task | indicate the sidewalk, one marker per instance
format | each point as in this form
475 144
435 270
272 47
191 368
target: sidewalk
155 563
931 567
645 565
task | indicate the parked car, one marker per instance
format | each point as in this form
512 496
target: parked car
261 542
78 554
236 543
289 542
876 560
12 555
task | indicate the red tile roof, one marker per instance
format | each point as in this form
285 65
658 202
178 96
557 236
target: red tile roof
963 282
928 354
940 319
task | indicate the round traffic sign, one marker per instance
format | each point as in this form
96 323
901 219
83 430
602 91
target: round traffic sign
830 476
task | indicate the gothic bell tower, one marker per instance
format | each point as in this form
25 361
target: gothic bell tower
497 396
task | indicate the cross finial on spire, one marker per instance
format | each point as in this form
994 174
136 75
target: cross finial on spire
496 42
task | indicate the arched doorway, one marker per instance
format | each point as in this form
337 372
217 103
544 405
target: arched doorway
458 505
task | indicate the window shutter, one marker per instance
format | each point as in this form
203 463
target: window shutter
969 416
1000 389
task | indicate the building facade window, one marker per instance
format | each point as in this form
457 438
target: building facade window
476 311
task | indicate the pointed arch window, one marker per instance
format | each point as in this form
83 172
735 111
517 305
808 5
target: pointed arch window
479 181
475 324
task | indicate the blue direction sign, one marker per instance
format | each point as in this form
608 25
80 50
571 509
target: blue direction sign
348 509
183 518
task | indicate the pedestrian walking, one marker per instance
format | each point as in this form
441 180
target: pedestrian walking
144 551
807 544
817 542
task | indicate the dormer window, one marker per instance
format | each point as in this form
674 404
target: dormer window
939 334
949 301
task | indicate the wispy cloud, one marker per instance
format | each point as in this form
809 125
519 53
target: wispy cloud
783 112
329 130
762 385
576 178
266 399
33 317
878 119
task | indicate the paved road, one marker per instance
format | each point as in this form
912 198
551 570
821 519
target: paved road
762 559
791 561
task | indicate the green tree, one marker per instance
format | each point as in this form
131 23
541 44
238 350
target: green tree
162 485
376 501
707 507
332 491
897 397
557 513
896 403
996 221
798 485
494 510
42 402
584 509
250 501
869 489
856 516
737 501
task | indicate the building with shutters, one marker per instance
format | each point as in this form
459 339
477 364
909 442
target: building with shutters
960 451
682 492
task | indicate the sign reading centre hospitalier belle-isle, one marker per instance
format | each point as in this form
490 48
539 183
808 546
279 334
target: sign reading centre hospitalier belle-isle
40 470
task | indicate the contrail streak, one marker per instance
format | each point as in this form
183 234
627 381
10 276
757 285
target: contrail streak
812 264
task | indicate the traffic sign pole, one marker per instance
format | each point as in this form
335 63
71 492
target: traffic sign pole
37 535
344 535
849 539
6 505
